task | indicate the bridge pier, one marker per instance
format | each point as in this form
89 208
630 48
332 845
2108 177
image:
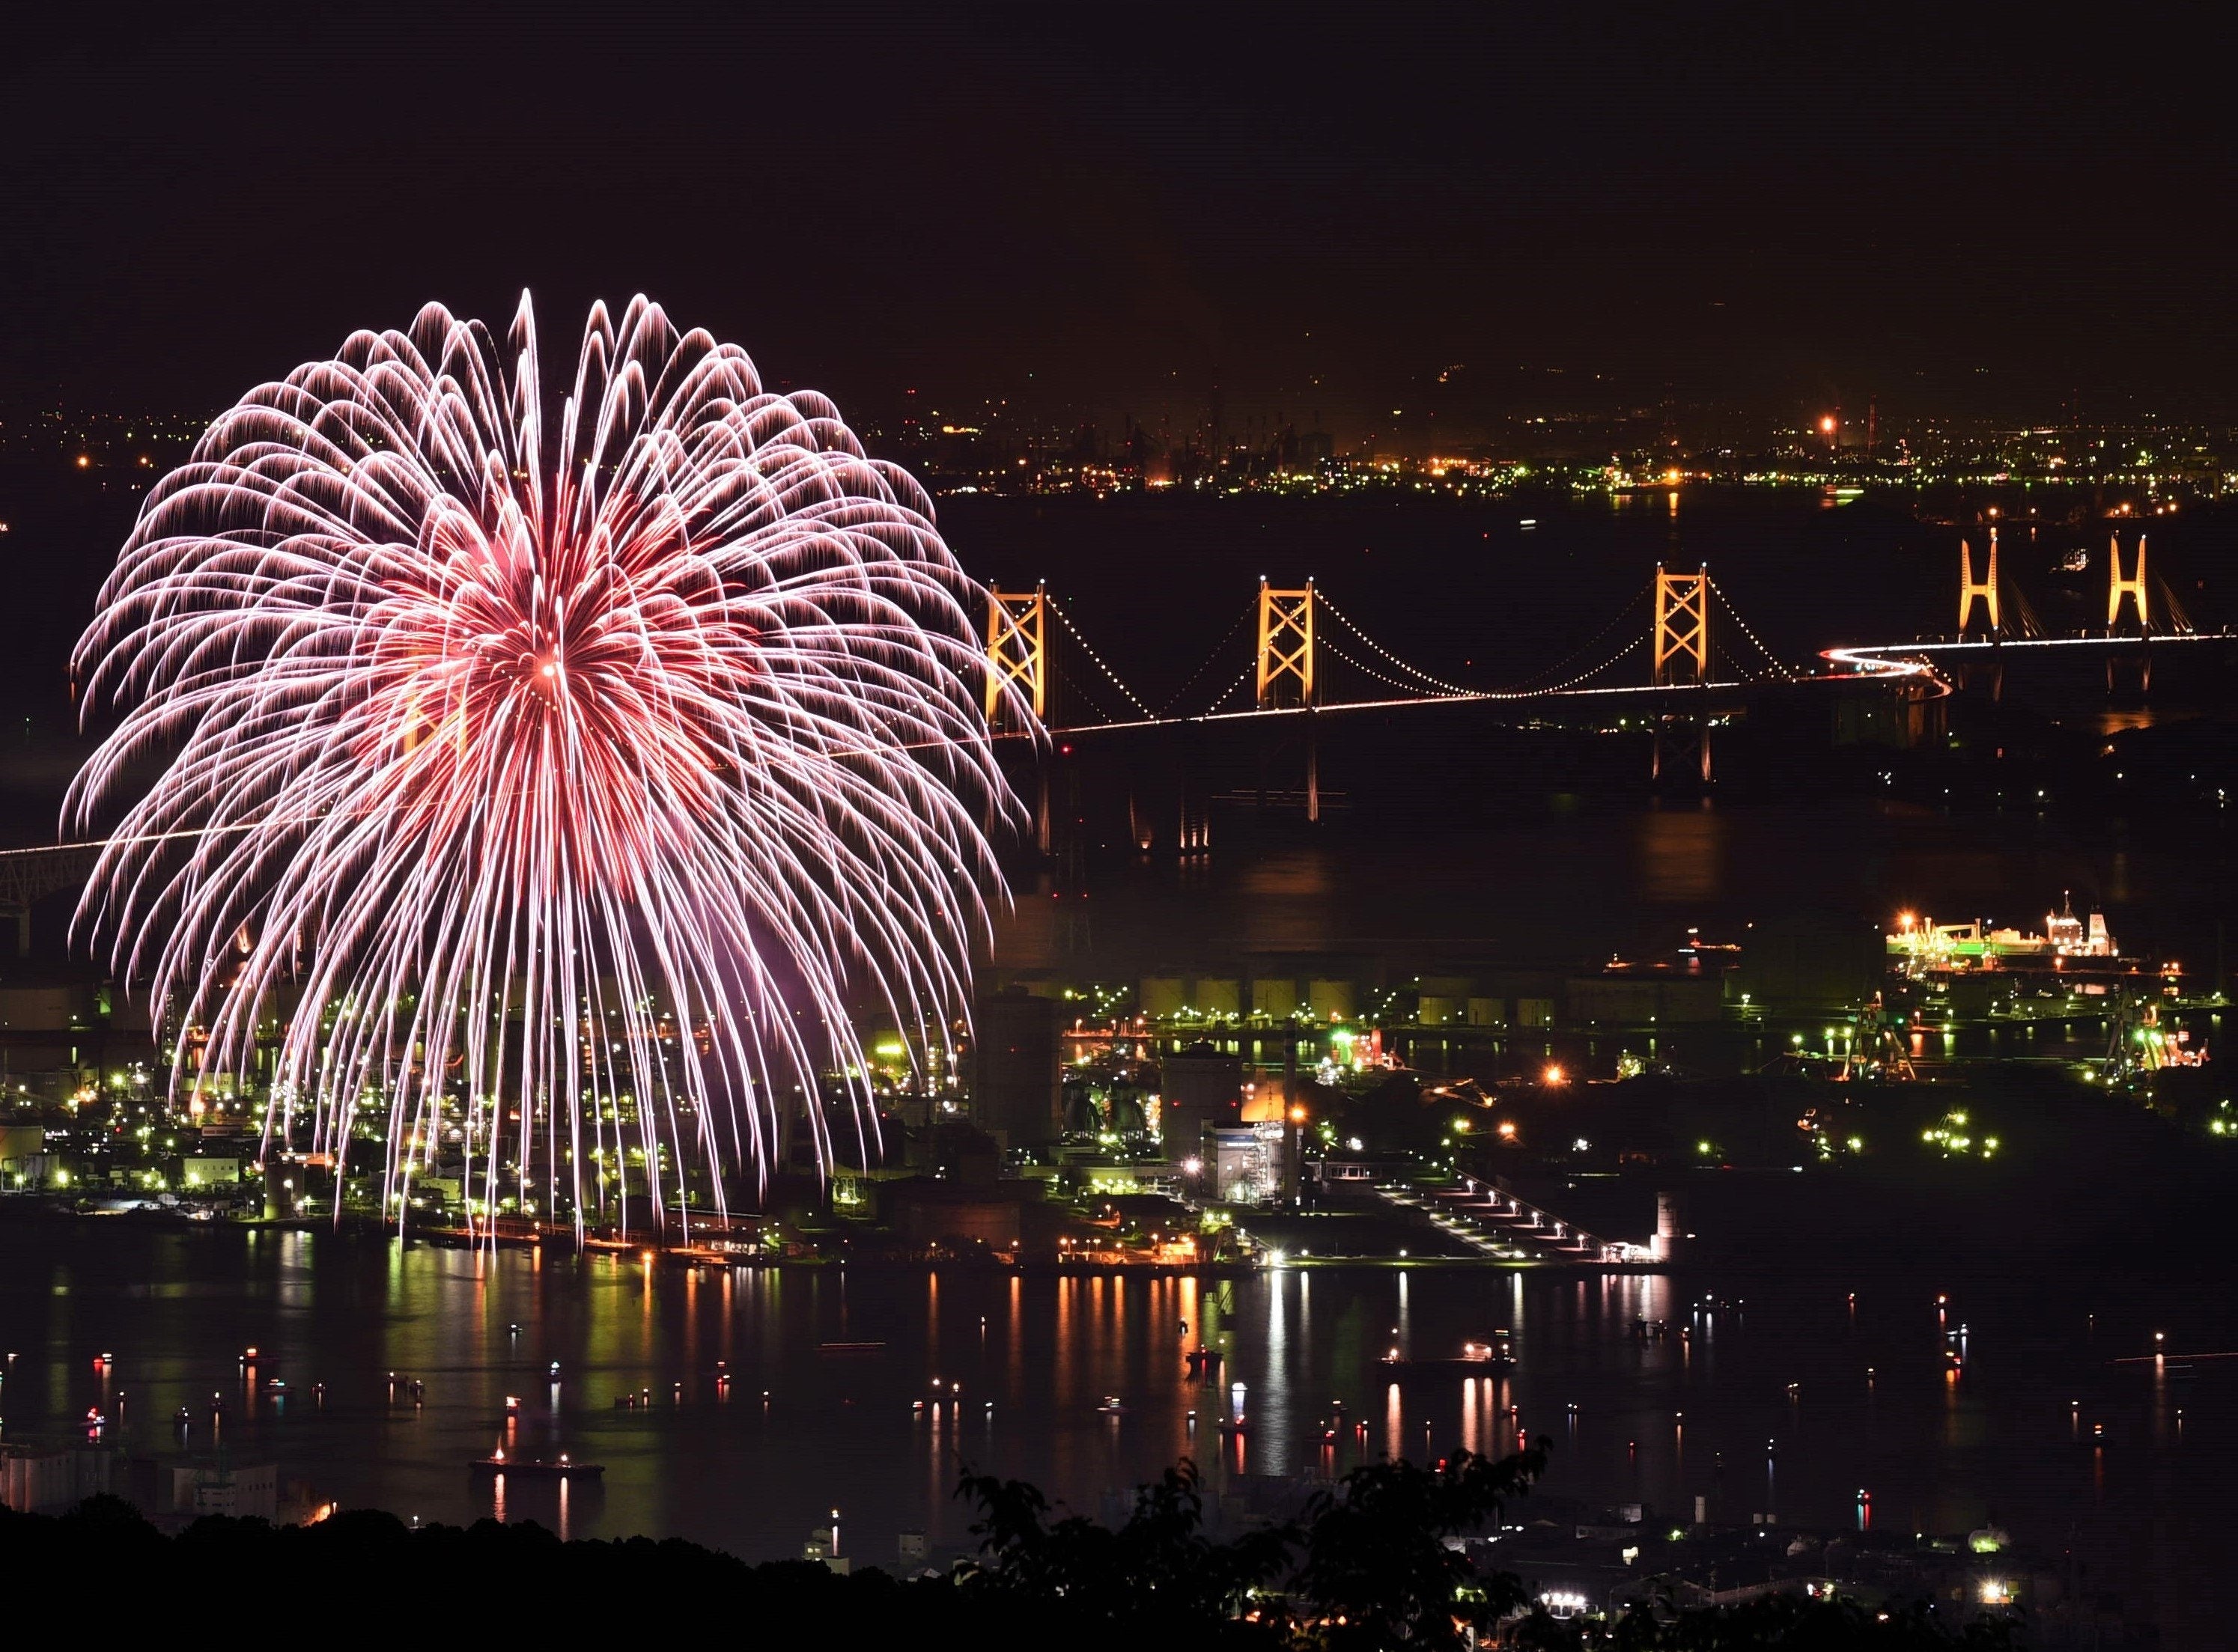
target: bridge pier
1989 673
30 875
2144 663
1681 758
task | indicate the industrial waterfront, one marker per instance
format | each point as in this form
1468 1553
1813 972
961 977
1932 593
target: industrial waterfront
1643 997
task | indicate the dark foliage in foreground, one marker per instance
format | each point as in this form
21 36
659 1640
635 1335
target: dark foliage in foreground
1778 1623
1156 1577
1365 1566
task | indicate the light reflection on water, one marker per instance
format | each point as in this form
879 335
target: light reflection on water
1658 1421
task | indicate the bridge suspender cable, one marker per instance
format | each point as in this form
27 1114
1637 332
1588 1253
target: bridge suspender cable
1778 664
1529 684
1065 619
1404 687
1210 660
1249 671
1353 626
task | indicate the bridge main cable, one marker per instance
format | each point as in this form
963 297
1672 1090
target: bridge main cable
1287 627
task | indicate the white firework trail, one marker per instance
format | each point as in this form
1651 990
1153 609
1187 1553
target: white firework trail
539 777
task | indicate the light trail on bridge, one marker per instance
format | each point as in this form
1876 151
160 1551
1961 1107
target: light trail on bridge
1874 659
1486 697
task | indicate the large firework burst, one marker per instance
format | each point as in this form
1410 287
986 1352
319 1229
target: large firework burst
559 791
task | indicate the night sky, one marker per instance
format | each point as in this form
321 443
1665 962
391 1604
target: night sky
1108 208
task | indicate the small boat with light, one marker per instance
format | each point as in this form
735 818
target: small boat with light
536 1468
1475 1359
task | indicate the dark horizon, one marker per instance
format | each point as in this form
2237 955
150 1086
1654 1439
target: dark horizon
1453 214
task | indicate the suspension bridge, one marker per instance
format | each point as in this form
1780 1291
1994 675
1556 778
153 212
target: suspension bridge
1691 638
1679 655
1303 640
1678 659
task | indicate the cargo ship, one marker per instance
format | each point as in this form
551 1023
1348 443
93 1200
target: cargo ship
1922 947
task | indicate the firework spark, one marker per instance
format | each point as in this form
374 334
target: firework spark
552 794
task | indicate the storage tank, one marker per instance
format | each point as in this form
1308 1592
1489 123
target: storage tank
1217 996
1276 1000
1163 996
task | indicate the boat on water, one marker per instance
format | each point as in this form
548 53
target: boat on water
850 1349
1920 946
1475 1359
536 1468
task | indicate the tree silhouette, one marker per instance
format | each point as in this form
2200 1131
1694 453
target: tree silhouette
1379 1569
